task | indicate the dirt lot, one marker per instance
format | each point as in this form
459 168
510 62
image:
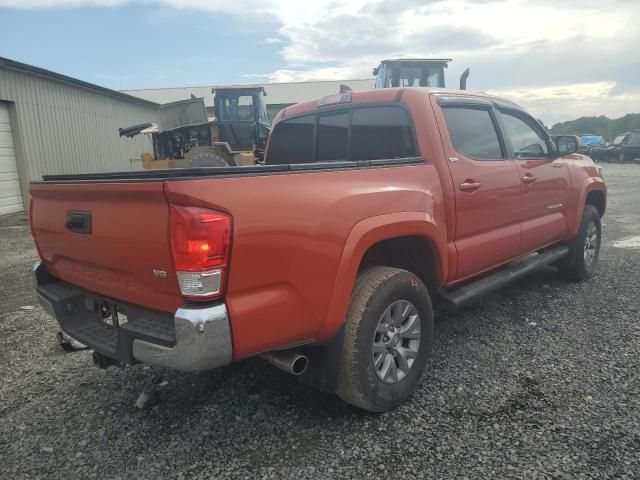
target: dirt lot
540 380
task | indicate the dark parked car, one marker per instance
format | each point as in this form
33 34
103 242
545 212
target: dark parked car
624 148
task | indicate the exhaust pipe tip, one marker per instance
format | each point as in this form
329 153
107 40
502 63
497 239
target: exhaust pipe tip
291 362
299 365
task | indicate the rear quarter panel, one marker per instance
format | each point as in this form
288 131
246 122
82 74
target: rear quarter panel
289 236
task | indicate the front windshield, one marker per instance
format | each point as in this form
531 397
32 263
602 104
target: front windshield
619 139
236 108
415 77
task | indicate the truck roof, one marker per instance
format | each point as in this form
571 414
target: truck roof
385 95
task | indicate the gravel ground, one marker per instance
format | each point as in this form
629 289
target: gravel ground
540 380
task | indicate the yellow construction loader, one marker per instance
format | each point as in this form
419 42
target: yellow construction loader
184 136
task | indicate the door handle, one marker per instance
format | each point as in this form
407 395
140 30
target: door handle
470 186
528 179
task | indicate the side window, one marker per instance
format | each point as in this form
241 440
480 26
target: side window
245 108
333 135
618 140
292 141
473 133
526 141
634 138
381 133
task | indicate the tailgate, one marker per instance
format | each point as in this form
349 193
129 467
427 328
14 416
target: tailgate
110 238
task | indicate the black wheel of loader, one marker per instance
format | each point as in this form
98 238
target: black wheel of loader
208 160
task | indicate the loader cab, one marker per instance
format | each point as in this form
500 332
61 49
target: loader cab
414 72
241 116
411 72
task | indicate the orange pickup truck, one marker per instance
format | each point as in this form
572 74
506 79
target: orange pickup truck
325 260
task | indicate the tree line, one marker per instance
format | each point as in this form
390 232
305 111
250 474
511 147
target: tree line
609 128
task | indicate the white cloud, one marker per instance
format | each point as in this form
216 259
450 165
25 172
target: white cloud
564 102
561 59
256 76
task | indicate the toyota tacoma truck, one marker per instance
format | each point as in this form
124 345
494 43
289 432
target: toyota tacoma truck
327 260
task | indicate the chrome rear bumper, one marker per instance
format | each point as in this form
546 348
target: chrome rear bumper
192 339
203 341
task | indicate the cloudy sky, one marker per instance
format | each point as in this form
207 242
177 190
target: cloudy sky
560 59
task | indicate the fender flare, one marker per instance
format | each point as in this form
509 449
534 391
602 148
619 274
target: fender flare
589 185
363 235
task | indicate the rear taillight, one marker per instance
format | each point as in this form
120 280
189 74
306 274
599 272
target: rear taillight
200 243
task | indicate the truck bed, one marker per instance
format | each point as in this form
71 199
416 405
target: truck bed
290 226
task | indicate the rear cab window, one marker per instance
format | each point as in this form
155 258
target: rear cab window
294 141
333 137
346 134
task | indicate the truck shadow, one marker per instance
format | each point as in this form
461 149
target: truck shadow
247 409
247 388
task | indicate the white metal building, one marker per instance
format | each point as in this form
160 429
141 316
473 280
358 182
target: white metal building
52 124
279 95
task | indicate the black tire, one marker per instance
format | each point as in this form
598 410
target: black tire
208 160
376 290
622 158
576 265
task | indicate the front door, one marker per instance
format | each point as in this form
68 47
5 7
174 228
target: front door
545 181
487 189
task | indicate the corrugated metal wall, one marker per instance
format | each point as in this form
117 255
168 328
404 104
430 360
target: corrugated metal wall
63 128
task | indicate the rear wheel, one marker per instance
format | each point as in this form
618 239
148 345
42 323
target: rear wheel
388 339
584 250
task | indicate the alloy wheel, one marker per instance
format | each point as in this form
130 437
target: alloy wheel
590 243
396 341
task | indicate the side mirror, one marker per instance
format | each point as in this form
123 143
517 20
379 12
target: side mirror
567 144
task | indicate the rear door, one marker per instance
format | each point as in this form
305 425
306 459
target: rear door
487 186
110 238
545 180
